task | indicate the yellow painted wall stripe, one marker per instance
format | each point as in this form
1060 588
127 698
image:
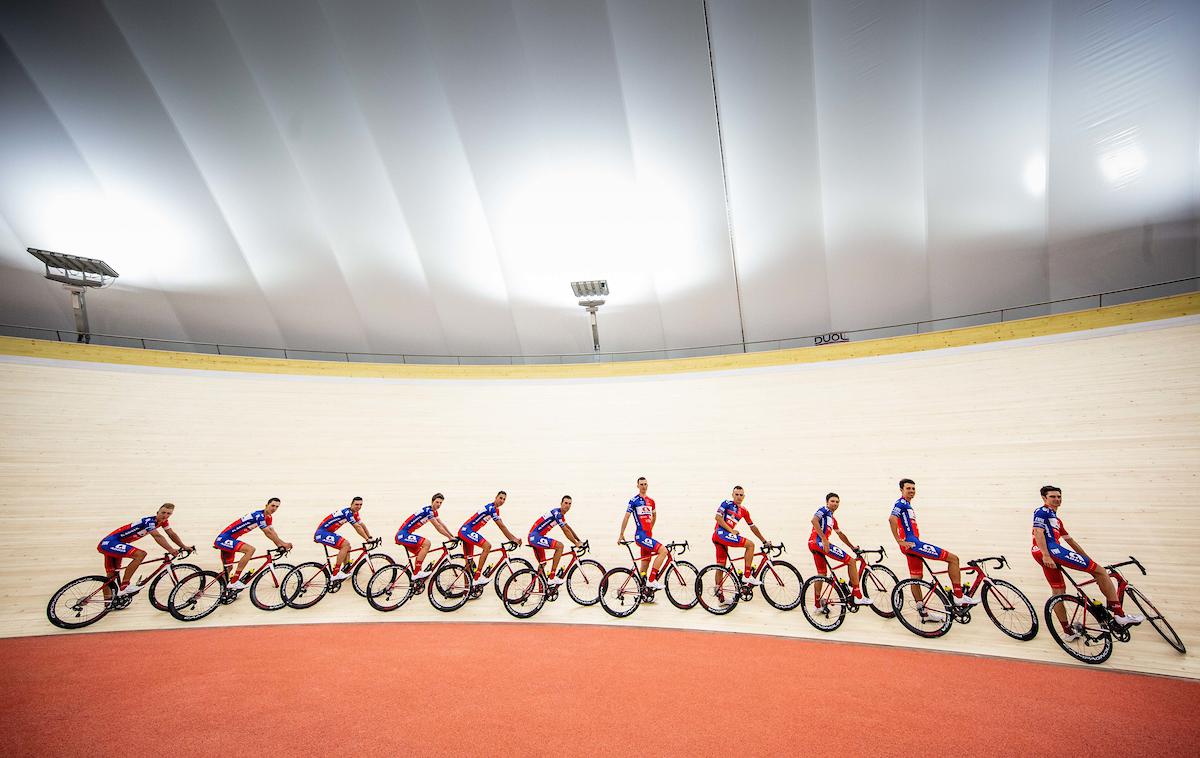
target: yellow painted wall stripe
1147 310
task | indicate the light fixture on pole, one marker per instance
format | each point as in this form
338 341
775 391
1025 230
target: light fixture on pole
591 294
76 274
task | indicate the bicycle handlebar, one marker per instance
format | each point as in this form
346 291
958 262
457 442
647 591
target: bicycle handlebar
181 553
582 548
1000 560
774 550
1131 562
678 547
880 552
508 546
450 544
277 552
372 544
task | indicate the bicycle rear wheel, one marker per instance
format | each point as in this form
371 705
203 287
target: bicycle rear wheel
266 591
450 587
197 595
305 585
782 585
824 604
620 592
366 568
1010 610
877 582
389 588
717 589
505 571
1092 643
1156 619
680 578
80 602
164 583
583 581
930 616
524 593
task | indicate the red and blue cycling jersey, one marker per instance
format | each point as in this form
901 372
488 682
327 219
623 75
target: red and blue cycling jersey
334 521
547 522
731 513
1051 525
828 523
248 523
417 520
642 509
903 511
134 530
1054 530
481 517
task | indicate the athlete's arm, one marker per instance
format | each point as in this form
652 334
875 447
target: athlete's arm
1040 538
754 528
821 541
571 535
175 538
624 523
898 533
161 540
507 533
1074 545
653 517
721 523
361 528
274 537
437 524
846 540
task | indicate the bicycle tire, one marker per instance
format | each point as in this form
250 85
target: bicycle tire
197 595
1082 617
524 593
88 594
680 581
877 583
717 589
390 587
917 622
777 579
266 590
305 585
827 609
1000 594
365 568
620 592
583 581
177 573
449 588
505 571
1156 619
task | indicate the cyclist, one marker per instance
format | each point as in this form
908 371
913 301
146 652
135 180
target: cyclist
904 528
822 549
725 533
325 535
642 508
541 543
469 534
415 543
117 546
229 544
1049 533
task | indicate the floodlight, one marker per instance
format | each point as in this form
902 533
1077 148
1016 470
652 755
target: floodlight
76 274
591 294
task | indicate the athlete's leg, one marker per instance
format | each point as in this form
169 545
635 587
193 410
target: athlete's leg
955 572
247 552
135 559
422 551
661 552
916 570
748 563
485 547
558 552
342 556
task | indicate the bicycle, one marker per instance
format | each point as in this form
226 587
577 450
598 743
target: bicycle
307 583
391 586
453 583
719 587
622 589
1092 623
201 592
527 590
1005 605
82 601
832 596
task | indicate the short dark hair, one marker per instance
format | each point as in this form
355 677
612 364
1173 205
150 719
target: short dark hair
907 481
437 496
565 498
1050 488
832 494
641 478
737 487
356 497
274 500
501 492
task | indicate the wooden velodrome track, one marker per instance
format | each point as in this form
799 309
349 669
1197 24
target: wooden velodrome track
92 437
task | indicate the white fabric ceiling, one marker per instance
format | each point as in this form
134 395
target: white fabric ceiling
427 177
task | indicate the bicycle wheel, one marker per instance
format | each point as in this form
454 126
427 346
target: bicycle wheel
160 590
80 602
450 587
366 568
505 571
524 593
680 578
1010 610
782 585
197 595
266 590
876 583
620 592
824 604
583 582
304 586
717 589
1093 643
390 587
1156 619
930 616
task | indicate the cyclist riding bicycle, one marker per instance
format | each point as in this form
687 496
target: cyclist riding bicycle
325 535
471 538
117 546
725 534
824 522
414 543
644 511
230 544
904 528
1049 533
541 543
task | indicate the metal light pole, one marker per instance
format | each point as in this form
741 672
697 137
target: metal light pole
77 275
591 294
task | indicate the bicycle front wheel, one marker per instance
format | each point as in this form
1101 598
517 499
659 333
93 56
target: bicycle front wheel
305 585
928 614
389 588
524 593
717 589
620 592
160 588
505 571
1010 610
1084 637
824 604
450 587
583 581
1156 619
782 585
680 578
366 568
877 583
80 602
197 595
266 591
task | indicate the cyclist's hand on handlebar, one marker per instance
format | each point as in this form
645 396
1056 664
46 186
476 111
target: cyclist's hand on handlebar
287 545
